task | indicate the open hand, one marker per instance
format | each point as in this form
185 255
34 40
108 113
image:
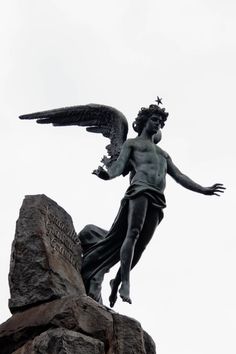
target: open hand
101 173
215 189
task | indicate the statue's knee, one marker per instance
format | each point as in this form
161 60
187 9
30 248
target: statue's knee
86 229
134 234
84 233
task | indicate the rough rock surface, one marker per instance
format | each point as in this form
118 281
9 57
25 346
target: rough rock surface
128 335
51 312
62 341
81 314
34 330
46 255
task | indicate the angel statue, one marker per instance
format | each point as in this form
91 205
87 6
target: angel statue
141 209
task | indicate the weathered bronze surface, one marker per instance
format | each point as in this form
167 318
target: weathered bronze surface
142 206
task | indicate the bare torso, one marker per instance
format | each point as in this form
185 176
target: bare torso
149 163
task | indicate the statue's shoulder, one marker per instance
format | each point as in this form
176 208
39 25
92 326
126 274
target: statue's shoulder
130 142
162 152
137 143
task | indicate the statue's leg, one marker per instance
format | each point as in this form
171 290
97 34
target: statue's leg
136 218
95 286
151 222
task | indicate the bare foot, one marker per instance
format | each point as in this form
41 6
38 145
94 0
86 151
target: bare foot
114 289
124 292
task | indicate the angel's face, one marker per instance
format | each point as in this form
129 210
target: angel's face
154 123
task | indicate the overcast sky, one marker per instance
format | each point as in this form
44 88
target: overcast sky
124 53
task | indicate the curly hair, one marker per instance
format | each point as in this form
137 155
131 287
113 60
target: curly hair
145 113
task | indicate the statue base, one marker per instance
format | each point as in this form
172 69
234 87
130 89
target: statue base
75 324
51 312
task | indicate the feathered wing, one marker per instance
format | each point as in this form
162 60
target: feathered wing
106 120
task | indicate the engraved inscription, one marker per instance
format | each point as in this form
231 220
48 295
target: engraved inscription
65 253
63 241
71 234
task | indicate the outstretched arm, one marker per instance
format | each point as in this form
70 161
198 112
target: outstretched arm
186 182
118 166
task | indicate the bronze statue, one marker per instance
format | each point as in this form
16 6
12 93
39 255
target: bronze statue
142 207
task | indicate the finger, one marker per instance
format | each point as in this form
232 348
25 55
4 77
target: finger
218 195
214 188
217 185
219 190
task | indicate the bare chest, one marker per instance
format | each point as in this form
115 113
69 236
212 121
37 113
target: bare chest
147 153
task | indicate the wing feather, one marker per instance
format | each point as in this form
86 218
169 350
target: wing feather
102 119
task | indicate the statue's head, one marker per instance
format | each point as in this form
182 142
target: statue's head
146 113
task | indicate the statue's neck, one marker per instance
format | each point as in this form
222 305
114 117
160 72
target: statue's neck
146 135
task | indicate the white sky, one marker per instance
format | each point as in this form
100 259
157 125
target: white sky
125 53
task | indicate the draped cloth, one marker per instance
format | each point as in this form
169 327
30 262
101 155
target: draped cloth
101 248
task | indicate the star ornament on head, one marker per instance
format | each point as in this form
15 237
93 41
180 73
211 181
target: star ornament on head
158 100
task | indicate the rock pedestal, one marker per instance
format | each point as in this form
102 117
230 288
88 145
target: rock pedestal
51 312
46 255
61 340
